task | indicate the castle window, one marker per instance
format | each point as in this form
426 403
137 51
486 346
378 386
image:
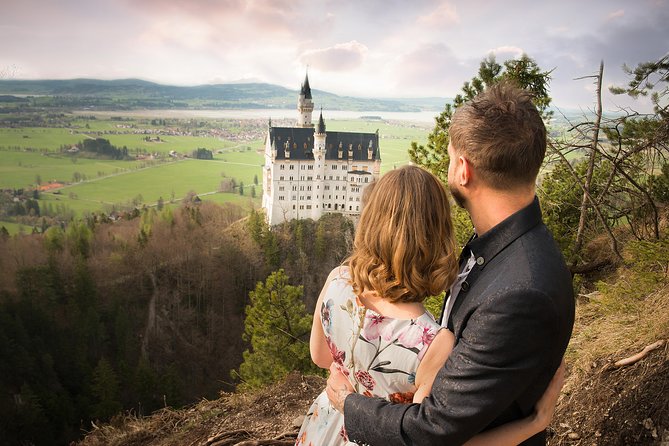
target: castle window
291 178
280 188
366 180
301 206
337 177
294 187
308 187
330 176
280 178
334 167
308 206
294 197
293 207
310 167
302 167
282 167
291 167
281 197
301 187
310 178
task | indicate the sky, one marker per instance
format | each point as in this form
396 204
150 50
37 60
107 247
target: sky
367 48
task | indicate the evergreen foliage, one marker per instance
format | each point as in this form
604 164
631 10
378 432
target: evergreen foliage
203 154
103 147
277 326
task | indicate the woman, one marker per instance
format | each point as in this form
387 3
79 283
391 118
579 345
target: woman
370 322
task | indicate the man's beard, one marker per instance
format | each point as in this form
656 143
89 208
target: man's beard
457 196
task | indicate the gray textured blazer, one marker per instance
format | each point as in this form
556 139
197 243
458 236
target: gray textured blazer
512 321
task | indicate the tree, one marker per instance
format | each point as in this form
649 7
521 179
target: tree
241 188
277 327
617 158
255 179
253 191
105 388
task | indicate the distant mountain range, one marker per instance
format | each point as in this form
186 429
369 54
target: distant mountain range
137 93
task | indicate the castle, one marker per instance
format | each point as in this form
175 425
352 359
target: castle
310 172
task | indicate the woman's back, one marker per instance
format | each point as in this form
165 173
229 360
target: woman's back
378 354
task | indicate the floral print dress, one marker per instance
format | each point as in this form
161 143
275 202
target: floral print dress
379 355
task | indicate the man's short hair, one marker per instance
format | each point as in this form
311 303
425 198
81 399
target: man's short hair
502 134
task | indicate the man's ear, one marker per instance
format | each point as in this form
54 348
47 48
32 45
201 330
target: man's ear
465 171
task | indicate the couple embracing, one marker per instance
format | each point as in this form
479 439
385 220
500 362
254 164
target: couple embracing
488 372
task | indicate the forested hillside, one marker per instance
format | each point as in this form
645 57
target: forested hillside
139 314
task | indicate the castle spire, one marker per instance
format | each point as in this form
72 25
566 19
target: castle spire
305 105
306 89
321 123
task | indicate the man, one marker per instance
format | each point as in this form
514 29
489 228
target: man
511 308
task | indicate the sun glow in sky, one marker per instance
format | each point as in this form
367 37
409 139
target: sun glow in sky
380 48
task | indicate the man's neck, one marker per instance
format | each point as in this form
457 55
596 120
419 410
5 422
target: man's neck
490 207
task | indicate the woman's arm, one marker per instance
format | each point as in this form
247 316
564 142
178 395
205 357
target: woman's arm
318 347
433 360
516 432
509 434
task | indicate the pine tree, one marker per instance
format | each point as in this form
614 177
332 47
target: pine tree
277 326
105 389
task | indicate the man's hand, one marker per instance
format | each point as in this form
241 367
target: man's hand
338 388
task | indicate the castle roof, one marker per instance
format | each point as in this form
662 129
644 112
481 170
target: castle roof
301 142
321 123
306 89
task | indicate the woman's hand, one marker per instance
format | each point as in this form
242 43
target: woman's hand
338 388
545 407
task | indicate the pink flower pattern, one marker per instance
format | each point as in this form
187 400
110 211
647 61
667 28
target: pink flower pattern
364 378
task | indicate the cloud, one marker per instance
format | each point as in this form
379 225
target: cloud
513 51
615 15
432 67
340 57
444 14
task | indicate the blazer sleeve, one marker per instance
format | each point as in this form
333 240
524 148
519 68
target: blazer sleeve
503 348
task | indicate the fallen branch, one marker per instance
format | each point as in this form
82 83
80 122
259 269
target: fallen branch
285 439
639 356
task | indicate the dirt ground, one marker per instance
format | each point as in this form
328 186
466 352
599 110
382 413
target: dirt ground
610 407
607 407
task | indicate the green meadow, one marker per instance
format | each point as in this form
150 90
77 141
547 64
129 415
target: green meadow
22 169
170 181
32 154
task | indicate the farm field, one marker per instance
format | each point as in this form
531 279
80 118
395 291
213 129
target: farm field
32 155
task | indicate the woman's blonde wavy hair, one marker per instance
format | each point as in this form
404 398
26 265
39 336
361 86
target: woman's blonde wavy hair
404 246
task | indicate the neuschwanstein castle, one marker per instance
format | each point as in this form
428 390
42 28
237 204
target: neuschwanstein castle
309 171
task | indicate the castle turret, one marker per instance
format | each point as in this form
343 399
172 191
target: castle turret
305 105
319 168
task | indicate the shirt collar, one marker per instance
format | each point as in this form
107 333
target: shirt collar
488 245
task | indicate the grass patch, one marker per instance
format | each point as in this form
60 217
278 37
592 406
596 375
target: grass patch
16 228
626 312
